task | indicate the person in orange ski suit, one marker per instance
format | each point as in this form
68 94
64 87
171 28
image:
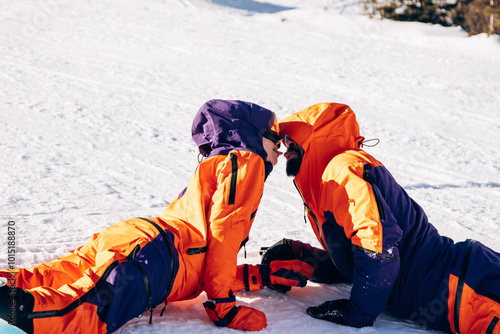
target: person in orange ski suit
375 236
192 247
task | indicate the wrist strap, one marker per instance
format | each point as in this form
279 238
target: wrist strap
246 278
214 301
226 319
265 274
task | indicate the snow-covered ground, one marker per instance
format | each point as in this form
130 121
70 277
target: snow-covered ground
97 99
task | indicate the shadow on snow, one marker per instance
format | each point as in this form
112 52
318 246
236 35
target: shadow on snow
252 6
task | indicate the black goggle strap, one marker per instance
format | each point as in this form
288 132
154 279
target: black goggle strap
272 136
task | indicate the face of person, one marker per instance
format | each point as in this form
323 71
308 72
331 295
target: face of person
271 148
293 156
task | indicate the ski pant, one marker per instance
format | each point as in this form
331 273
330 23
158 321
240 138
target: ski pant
468 299
121 272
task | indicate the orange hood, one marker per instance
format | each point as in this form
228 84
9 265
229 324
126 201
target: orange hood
323 130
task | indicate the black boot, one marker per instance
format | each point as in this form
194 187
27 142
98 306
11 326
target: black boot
4 303
15 305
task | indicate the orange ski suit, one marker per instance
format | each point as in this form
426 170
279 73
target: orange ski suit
191 247
380 239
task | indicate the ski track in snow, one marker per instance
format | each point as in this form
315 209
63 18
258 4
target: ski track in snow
97 100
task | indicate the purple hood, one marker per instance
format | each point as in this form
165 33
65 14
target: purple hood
221 126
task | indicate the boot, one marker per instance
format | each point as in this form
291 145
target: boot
15 305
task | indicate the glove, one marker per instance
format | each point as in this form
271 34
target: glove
286 249
249 319
330 311
224 313
325 271
288 273
278 273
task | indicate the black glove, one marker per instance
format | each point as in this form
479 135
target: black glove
330 311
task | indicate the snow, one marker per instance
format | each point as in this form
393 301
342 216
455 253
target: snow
8 329
97 99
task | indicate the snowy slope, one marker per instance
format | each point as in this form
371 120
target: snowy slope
97 99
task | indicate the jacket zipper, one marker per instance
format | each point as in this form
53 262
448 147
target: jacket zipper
234 178
492 325
367 177
306 207
308 210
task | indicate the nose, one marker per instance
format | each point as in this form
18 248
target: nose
289 143
277 149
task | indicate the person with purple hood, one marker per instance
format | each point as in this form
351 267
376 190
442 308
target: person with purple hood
135 265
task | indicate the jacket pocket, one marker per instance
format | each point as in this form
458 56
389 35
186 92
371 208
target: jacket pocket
197 250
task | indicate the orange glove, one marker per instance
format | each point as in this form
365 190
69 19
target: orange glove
289 273
285 273
248 319
224 313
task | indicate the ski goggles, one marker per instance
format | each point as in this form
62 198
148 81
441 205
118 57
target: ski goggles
292 143
286 139
272 136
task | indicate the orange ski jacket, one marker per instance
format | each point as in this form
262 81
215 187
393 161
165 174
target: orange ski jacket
380 239
211 218
342 206
211 221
